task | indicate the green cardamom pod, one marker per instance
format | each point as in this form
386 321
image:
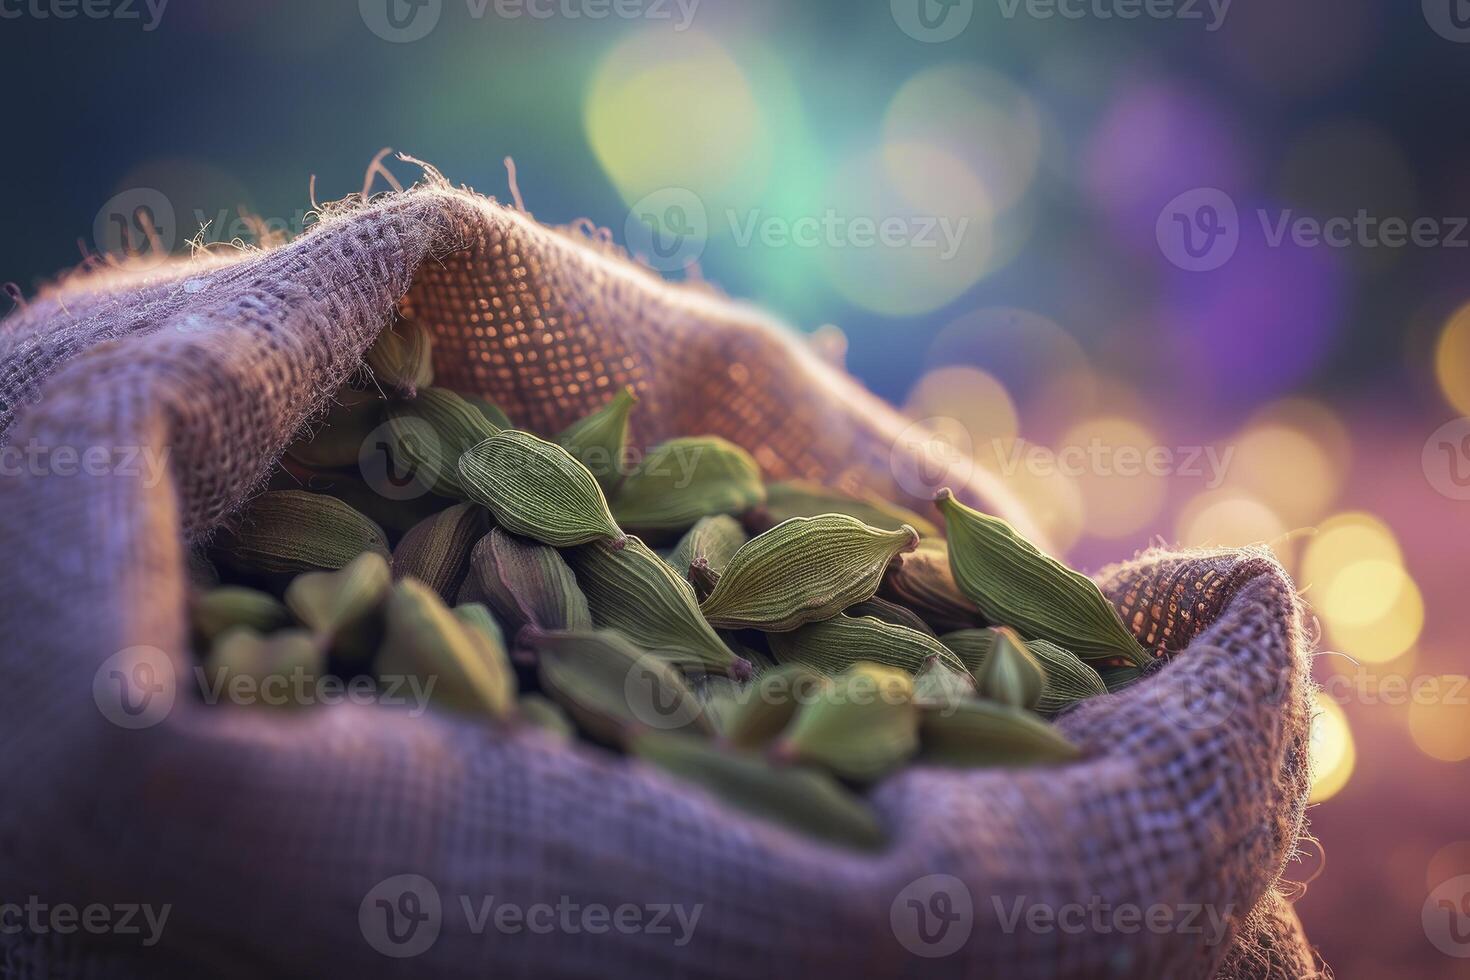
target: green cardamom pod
274 664
343 608
705 549
983 733
436 550
220 609
807 801
546 714
526 584
296 531
396 517
1010 674
889 612
402 358
939 684
762 709
682 480
614 690
538 490
634 591
599 441
802 498
337 440
833 645
459 663
1116 677
924 583
431 432
865 725
1068 678
1014 583
803 570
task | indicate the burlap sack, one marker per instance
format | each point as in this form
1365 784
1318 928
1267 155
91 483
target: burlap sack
267 832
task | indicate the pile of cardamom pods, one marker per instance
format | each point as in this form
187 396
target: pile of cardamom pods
782 645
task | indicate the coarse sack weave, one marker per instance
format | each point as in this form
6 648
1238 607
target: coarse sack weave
266 831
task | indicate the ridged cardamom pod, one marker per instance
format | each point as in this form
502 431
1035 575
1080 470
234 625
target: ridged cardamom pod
924 583
833 645
1068 678
940 684
803 570
1010 674
436 550
983 733
296 531
431 432
526 583
337 439
889 612
466 666
614 690
599 440
545 714
762 709
343 608
634 591
865 725
682 480
394 516
705 549
287 656
1016 584
228 606
807 801
402 358
801 498
537 490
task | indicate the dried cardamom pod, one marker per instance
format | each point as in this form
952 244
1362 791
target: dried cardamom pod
762 709
1116 677
431 432
1010 674
865 725
705 549
983 733
402 358
526 584
536 489
337 440
889 612
682 480
1068 679
546 714
939 684
296 531
634 591
924 583
459 663
220 609
833 645
1014 583
805 800
273 663
436 550
614 690
599 440
343 608
802 498
396 517
803 570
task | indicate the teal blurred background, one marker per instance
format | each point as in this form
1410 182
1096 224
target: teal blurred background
1080 209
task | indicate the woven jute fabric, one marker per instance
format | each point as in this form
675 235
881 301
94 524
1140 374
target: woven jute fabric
266 832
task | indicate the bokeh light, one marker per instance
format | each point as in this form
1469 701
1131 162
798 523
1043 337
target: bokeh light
1333 752
1120 494
973 398
1440 725
1452 360
1228 519
1285 468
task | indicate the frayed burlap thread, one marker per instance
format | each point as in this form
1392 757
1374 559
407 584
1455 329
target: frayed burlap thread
264 832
